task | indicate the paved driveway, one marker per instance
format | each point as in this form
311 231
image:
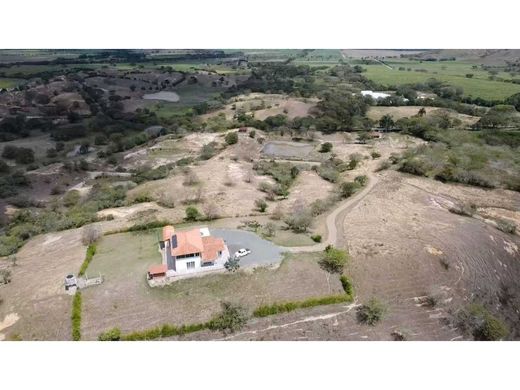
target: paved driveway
263 252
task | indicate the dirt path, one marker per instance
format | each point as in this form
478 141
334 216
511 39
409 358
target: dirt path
334 221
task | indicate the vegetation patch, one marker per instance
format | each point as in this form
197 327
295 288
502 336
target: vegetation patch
76 316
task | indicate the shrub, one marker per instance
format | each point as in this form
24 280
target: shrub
232 264
483 325
316 238
299 222
232 318
252 134
76 317
375 154
326 147
231 138
90 234
260 205
506 226
348 189
113 334
371 312
192 214
208 151
334 260
361 180
267 310
347 285
329 172
91 251
467 209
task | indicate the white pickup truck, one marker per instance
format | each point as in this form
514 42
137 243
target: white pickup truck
242 252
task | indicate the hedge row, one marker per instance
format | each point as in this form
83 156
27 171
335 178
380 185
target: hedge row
155 333
91 251
76 317
268 310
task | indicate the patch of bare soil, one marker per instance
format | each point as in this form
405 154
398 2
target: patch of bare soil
265 105
376 112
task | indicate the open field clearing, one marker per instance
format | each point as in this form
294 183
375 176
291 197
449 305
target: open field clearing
473 87
265 105
376 112
126 301
405 247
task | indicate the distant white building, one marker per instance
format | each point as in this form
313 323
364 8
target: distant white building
375 95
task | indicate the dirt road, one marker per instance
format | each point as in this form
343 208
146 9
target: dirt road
334 221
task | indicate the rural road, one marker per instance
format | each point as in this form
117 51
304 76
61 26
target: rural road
335 219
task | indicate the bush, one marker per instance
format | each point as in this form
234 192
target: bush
361 180
467 209
348 189
375 155
231 138
113 334
347 285
232 264
261 205
483 325
334 260
207 151
76 317
299 222
267 310
316 238
506 226
91 251
232 318
371 312
192 214
90 234
252 134
326 147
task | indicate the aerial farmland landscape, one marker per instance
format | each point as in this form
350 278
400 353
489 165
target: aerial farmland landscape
260 194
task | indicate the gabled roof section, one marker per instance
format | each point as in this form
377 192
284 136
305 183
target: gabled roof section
188 242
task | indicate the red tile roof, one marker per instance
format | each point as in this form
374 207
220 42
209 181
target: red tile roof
188 242
158 269
212 246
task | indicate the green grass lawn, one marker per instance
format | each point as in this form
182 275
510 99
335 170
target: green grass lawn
9 83
453 73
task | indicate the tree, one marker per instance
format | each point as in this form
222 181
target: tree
90 234
371 312
386 122
422 112
232 264
192 214
211 211
231 138
300 217
326 147
232 318
24 156
334 260
261 205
